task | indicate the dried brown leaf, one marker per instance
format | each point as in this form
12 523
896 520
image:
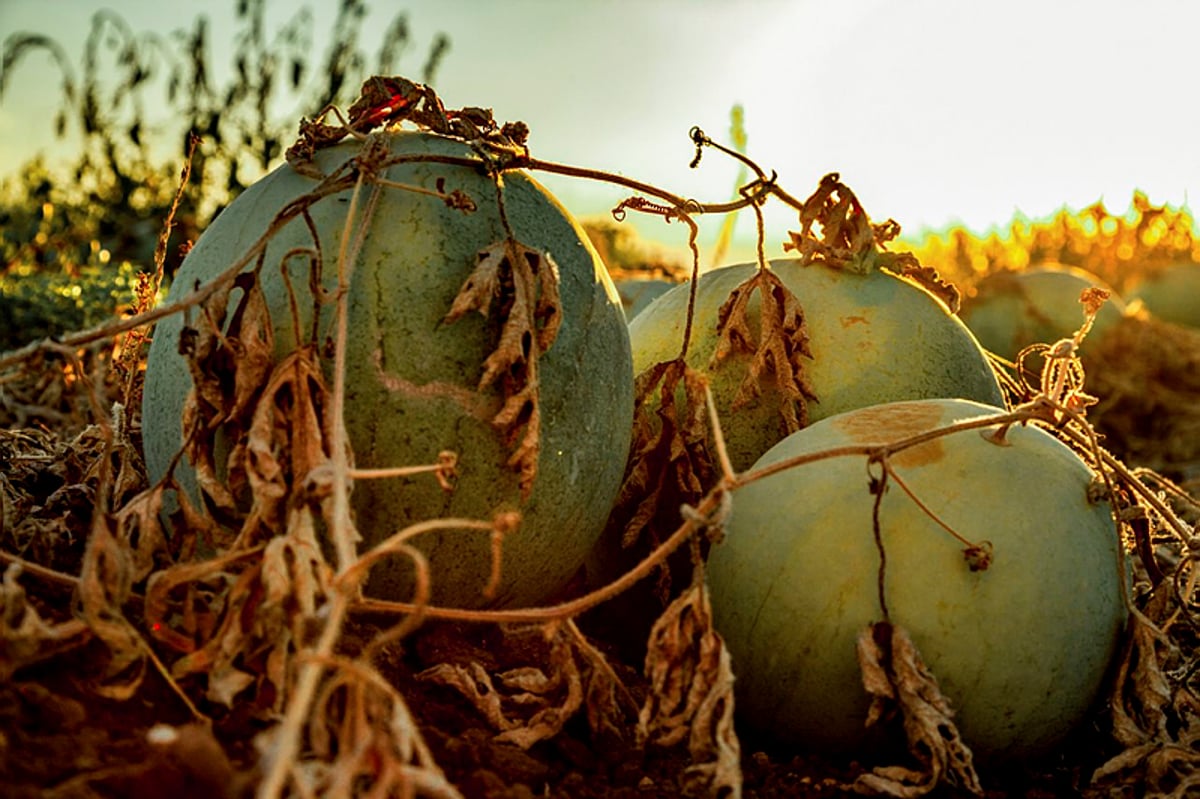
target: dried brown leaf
186 622
104 586
907 266
526 704
607 700
285 443
229 365
220 657
846 240
474 683
898 679
669 461
296 581
691 693
8 505
139 528
520 286
25 637
780 351
1155 717
362 741
1143 694
835 231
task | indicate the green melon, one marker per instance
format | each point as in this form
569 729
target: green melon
1011 310
1020 648
411 378
874 338
1171 294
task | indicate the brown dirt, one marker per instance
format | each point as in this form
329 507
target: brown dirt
61 736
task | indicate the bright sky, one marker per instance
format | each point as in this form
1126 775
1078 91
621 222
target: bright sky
934 111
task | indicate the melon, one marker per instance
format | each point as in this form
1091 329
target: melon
1020 648
1011 310
1172 294
874 337
412 379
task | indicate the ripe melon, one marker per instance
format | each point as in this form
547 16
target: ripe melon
412 377
1019 648
874 338
1172 294
1011 310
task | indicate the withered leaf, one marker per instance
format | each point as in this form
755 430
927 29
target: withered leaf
836 232
313 136
229 366
139 528
104 586
296 580
183 623
1154 718
285 442
528 704
846 240
525 704
670 463
691 693
25 637
220 658
906 265
896 677
361 733
780 351
520 286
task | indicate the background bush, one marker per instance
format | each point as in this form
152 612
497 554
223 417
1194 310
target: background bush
72 235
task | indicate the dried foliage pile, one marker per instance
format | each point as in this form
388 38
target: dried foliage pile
227 650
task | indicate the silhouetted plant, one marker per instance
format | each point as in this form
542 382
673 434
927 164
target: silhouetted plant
133 92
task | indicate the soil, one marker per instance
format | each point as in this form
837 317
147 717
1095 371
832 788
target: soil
62 739
66 731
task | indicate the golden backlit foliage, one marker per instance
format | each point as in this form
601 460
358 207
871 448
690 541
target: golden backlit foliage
1118 249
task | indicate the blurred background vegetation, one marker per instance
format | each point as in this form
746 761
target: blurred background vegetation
73 237
75 234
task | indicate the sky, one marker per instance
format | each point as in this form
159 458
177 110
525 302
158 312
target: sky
935 112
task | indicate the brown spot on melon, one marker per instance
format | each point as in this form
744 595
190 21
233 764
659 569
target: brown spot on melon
886 424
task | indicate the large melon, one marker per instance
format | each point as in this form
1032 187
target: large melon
874 338
412 377
1019 648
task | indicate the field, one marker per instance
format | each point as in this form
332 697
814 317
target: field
158 644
